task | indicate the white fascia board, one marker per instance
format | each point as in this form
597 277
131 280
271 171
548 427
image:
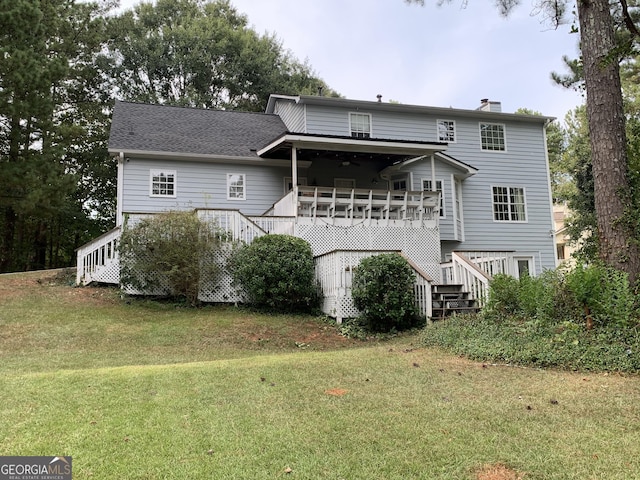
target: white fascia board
201 157
467 169
354 145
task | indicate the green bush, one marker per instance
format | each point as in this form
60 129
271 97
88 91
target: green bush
383 292
544 297
277 273
172 254
504 295
604 294
512 340
541 322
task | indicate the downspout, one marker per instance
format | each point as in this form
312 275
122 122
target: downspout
119 189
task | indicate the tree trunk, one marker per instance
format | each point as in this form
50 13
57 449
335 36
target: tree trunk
607 136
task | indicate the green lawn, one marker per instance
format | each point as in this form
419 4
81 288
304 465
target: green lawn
145 391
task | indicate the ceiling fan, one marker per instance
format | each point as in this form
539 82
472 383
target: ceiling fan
348 163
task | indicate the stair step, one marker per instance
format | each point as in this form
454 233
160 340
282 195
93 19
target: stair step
451 298
448 288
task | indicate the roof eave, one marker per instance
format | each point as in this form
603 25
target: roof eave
353 145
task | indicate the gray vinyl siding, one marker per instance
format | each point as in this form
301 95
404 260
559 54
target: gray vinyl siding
523 164
334 121
422 170
201 185
292 114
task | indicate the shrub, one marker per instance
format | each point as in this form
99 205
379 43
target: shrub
277 273
543 297
604 293
172 253
504 295
383 292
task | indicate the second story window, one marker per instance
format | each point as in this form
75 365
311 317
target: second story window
360 125
509 204
235 186
446 131
492 137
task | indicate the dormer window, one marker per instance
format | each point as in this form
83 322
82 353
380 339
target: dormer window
360 125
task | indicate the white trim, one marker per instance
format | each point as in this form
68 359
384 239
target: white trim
351 131
197 157
155 172
354 145
244 187
443 209
529 259
524 194
504 134
457 207
455 133
120 189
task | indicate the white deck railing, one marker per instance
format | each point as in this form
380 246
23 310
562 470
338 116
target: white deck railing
475 269
97 261
334 273
281 225
351 205
235 223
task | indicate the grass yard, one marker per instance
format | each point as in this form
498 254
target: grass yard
141 390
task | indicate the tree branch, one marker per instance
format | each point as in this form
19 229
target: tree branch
628 21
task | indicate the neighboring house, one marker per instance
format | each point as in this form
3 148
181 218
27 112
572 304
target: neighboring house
463 194
565 247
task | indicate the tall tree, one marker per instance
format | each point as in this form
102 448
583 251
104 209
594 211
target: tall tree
201 54
48 50
601 54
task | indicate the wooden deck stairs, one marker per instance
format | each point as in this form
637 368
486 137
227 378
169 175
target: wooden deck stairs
450 299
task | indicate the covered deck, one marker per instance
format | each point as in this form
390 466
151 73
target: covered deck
351 206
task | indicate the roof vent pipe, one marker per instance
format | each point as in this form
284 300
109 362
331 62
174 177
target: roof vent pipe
320 91
379 97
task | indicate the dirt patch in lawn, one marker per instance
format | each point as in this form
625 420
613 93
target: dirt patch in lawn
243 328
498 471
58 284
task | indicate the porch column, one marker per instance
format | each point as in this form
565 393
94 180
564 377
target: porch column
433 174
294 166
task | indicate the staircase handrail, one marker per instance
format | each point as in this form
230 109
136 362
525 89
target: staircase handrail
474 279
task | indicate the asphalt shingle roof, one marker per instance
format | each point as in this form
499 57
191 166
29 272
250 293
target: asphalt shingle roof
161 128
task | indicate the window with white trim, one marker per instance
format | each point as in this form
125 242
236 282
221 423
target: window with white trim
360 125
492 137
427 186
509 204
446 131
162 183
236 186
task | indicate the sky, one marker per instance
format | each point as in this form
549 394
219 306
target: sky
448 56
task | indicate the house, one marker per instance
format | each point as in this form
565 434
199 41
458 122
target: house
463 194
565 246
